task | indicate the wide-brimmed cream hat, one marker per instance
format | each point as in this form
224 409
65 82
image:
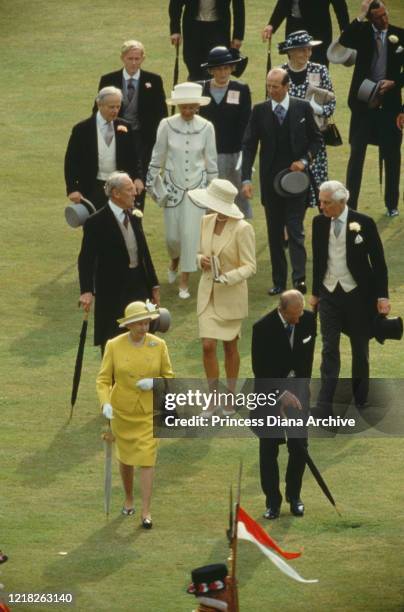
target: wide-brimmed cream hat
218 196
139 311
188 93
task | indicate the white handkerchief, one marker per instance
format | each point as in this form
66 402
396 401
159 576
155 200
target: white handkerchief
358 239
233 97
306 340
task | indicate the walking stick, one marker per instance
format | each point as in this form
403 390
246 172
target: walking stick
176 71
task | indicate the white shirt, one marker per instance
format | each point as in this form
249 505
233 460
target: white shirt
127 76
118 211
284 103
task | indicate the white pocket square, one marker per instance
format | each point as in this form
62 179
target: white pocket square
301 120
358 239
306 340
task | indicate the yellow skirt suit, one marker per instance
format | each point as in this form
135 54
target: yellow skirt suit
123 365
221 308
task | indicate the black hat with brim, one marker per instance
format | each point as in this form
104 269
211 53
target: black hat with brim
222 56
208 579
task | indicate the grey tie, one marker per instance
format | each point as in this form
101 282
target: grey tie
379 43
108 132
337 227
280 113
130 86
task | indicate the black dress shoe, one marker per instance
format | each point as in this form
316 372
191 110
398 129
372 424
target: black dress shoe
276 290
272 513
296 507
301 286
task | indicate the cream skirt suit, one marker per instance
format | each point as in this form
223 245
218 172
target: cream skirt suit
123 365
222 307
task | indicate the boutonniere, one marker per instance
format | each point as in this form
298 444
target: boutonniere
137 213
148 85
122 128
355 227
393 39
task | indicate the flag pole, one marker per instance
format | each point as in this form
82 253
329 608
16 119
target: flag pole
234 605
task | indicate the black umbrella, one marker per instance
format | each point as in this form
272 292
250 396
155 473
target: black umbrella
269 66
79 362
176 71
320 480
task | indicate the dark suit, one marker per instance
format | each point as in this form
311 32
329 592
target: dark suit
315 19
104 270
81 159
200 37
151 107
374 126
348 312
273 357
297 138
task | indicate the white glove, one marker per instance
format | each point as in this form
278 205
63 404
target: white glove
146 384
317 108
107 411
221 279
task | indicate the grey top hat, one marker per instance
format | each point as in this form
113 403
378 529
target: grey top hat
368 93
338 54
76 214
290 184
162 324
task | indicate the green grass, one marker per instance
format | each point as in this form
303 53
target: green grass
51 474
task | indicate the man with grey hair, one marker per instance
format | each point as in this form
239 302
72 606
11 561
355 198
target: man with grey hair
143 101
350 286
97 147
114 263
283 348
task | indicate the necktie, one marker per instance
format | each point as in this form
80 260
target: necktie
131 86
280 113
337 227
289 328
108 132
379 43
126 219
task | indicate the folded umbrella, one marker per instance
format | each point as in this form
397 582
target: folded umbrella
79 363
176 71
108 438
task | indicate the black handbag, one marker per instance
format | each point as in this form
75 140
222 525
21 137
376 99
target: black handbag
331 135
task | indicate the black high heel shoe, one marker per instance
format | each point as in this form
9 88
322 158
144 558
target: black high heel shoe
147 523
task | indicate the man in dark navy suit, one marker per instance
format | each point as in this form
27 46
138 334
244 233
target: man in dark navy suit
350 286
283 348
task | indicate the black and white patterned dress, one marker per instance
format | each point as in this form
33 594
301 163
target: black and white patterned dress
318 75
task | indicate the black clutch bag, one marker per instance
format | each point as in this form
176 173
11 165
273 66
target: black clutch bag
331 135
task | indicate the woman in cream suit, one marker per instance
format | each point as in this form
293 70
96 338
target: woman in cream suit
184 157
227 260
124 387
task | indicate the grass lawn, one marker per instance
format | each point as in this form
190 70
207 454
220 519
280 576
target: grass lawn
51 473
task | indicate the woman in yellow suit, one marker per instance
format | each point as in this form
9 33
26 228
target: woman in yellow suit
124 387
227 260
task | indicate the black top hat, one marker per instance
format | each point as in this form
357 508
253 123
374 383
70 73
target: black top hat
387 328
208 579
222 56
289 184
296 40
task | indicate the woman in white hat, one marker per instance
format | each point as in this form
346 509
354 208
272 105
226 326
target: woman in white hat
184 157
311 81
227 260
124 387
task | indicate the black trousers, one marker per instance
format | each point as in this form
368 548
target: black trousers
269 469
289 213
199 38
134 288
375 127
347 313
